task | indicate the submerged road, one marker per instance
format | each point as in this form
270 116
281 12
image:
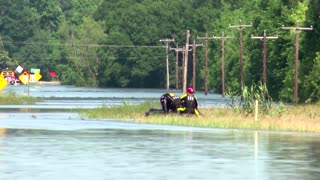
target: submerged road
70 97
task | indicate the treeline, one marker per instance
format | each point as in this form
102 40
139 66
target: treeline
111 43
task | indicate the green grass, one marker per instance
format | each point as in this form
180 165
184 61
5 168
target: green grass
12 98
302 118
125 111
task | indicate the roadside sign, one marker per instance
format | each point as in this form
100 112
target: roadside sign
33 70
3 83
37 75
25 78
19 69
52 73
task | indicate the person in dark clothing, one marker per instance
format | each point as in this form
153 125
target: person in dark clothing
189 103
170 102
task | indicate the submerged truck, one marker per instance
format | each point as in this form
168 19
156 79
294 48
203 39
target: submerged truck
10 76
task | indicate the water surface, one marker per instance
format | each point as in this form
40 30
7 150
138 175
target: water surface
56 143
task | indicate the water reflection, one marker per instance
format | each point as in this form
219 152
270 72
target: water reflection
2 131
294 151
138 151
50 141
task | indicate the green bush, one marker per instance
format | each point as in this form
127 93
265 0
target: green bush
245 102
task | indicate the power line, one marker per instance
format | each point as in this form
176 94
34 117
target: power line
84 45
185 63
297 30
240 27
206 38
223 38
117 57
167 41
264 38
194 47
177 50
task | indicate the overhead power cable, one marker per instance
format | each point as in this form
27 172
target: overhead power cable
85 45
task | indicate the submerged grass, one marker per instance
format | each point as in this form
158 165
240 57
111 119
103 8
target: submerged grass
302 118
12 98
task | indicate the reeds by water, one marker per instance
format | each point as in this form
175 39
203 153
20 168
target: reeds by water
12 98
302 118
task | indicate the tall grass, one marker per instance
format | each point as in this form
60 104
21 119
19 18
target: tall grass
244 102
125 111
13 98
303 118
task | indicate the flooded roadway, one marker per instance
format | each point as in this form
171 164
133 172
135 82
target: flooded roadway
64 97
45 141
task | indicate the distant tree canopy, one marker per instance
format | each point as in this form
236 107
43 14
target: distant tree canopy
108 43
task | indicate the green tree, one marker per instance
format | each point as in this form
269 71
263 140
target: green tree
49 14
83 43
296 14
5 60
16 24
312 81
40 51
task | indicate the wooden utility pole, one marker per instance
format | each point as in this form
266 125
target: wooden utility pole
240 27
206 38
264 38
194 46
223 38
297 30
183 69
167 41
177 50
185 63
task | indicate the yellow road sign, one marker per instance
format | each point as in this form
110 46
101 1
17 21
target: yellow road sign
3 83
25 78
37 75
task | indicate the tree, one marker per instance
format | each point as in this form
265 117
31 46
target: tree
5 60
312 81
16 24
82 45
49 14
40 51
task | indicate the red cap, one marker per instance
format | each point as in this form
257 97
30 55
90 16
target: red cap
190 90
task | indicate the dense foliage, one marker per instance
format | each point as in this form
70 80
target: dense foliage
109 43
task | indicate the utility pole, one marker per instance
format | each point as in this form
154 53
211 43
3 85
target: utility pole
167 41
194 46
264 38
206 38
223 38
184 69
240 27
177 50
297 30
185 63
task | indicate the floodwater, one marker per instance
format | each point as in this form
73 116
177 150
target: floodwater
57 144
64 97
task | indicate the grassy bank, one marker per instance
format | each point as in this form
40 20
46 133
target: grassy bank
302 118
12 98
